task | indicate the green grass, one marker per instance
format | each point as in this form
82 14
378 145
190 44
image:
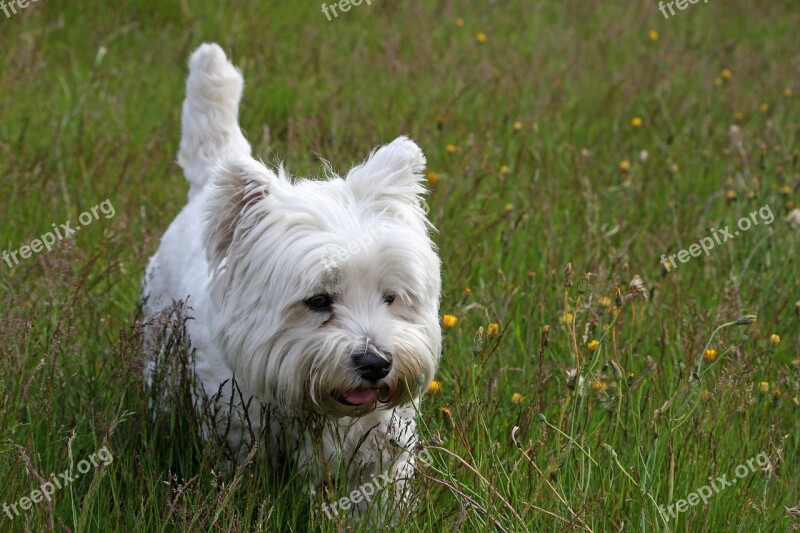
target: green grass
78 128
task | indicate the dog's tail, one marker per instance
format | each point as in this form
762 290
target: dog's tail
210 118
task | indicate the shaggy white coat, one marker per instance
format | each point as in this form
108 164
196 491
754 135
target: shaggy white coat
247 251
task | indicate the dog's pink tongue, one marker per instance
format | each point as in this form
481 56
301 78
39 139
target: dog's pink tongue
360 396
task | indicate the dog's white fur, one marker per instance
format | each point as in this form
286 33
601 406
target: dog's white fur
248 251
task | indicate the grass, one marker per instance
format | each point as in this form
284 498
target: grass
539 431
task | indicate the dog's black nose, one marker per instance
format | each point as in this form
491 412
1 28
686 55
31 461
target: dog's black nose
372 364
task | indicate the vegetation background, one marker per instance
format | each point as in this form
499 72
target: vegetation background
593 134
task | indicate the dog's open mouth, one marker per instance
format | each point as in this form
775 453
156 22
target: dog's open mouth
358 397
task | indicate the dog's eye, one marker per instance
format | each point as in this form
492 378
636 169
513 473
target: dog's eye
388 299
319 302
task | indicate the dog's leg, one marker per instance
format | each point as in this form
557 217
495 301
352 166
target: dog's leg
210 116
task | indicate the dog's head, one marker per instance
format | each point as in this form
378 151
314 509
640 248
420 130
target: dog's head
326 293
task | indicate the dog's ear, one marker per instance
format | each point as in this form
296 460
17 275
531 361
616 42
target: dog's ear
392 171
239 199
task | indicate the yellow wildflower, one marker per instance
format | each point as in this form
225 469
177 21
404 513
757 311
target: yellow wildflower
593 345
726 73
652 35
493 329
449 321
567 318
636 122
710 355
787 92
434 387
604 301
432 176
481 37
459 21
517 125
763 387
451 148
624 165
517 398
763 107
774 339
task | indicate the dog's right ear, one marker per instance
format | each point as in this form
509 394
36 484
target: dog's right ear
240 198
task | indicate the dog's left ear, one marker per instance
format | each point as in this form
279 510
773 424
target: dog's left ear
392 171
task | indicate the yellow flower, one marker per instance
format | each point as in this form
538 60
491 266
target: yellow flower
517 125
787 92
517 398
774 339
449 321
451 148
726 73
763 387
731 194
710 355
786 189
738 116
636 122
459 21
652 35
763 107
434 387
504 169
493 330
718 82
481 37
509 207
624 165
707 395
432 176
604 301
567 318
467 291
593 344
599 385
674 168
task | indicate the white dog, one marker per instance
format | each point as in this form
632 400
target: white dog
320 299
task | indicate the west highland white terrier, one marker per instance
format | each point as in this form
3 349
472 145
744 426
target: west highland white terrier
314 304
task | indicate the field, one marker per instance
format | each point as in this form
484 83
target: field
588 381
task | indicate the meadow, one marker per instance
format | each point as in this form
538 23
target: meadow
587 383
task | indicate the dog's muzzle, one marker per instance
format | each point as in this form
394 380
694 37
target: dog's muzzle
371 365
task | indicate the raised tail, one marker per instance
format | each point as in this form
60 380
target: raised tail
210 119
